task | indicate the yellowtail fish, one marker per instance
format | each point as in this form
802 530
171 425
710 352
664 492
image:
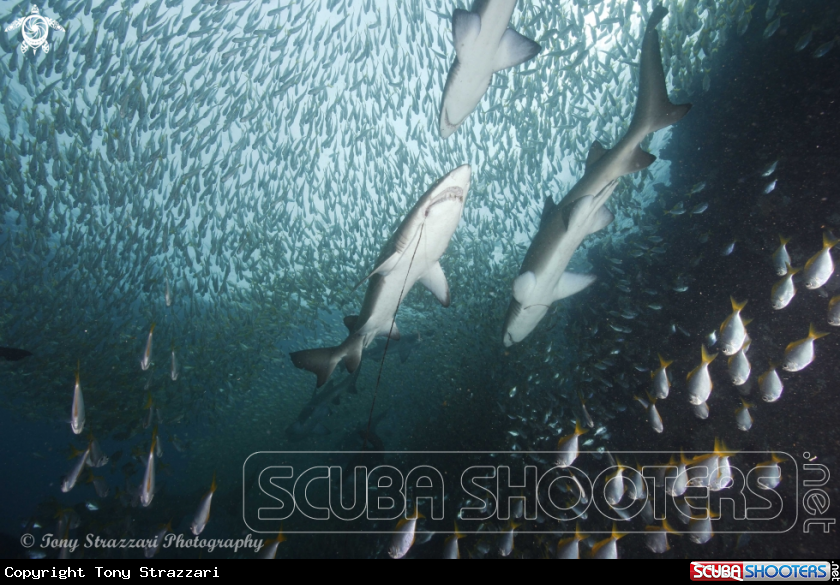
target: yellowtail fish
783 291
661 384
770 385
450 547
403 538
781 258
147 355
153 549
739 366
699 382
722 474
71 478
656 537
150 406
700 527
799 354
769 474
834 311
506 539
676 478
202 515
733 331
653 415
147 489
175 369
567 447
269 549
77 416
743 418
614 488
820 267
607 549
569 548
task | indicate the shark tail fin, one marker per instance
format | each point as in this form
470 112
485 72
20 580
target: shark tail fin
322 361
654 110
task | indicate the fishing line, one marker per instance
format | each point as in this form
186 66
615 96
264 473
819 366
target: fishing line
388 341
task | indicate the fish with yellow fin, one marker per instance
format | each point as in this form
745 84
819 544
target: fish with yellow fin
699 381
569 548
743 418
783 291
661 384
450 547
269 549
656 537
770 385
567 447
607 549
781 258
834 311
147 488
739 366
77 414
768 473
820 266
202 515
800 354
506 539
404 535
733 330
146 360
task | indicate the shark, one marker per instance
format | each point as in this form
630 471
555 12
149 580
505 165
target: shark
543 278
411 255
310 420
483 45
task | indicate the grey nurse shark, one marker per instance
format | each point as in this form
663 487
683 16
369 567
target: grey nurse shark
543 278
411 255
483 45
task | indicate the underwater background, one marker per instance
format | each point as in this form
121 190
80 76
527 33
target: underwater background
229 171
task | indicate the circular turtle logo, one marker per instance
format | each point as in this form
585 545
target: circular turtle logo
35 30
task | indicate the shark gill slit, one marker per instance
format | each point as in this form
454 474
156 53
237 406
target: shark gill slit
388 340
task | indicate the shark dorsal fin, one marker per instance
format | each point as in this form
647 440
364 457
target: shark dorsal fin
350 322
596 153
548 207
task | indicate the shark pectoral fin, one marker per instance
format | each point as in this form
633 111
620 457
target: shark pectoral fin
391 330
320 362
596 153
571 283
603 218
523 286
514 49
637 161
435 281
350 322
466 26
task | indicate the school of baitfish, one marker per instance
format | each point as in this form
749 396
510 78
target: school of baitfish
217 175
